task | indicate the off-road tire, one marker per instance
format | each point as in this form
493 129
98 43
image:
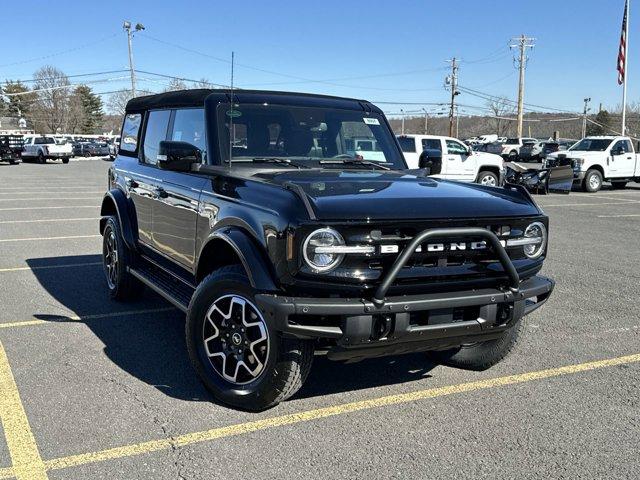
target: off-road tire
592 181
486 173
287 364
123 285
482 355
618 185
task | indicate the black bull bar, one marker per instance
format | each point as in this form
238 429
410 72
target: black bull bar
441 233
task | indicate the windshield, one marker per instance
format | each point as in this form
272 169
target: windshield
592 145
512 141
306 135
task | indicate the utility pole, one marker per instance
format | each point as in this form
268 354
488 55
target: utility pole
584 116
521 43
426 120
402 112
127 26
452 80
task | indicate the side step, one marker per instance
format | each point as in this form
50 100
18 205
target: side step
172 289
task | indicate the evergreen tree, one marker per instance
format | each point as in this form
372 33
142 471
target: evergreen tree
90 106
604 119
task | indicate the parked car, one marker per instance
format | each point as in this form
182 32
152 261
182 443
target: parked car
555 146
531 150
510 149
43 148
457 160
278 248
599 158
10 148
92 149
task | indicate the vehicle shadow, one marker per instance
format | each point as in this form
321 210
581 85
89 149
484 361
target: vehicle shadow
151 347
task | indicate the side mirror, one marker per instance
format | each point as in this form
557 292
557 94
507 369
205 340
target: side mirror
178 156
617 151
469 150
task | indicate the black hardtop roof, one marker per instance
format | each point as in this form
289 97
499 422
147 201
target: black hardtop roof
196 98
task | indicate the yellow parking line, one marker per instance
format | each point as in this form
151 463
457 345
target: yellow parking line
628 202
47 267
48 198
25 457
309 415
29 239
48 208
81 318
45 220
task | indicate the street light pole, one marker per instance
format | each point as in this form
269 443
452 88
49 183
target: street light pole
584 117
127 26
426 120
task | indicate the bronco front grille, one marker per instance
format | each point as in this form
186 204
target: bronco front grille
450 258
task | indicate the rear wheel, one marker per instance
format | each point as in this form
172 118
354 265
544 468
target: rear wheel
481 355
592 181
488 178
618 185
65 160
116 257
241 359
41 158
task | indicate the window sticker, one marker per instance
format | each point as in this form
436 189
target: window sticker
371 121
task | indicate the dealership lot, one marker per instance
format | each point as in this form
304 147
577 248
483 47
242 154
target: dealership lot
97 389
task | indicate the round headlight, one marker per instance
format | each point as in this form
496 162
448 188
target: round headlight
538 234
316 249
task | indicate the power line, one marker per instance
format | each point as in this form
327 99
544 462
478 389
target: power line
32 80
74 49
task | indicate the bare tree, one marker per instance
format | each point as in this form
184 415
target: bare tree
203 83
500 108
51 107
117 102
176 84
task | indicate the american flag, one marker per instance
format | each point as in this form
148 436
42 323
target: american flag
622 53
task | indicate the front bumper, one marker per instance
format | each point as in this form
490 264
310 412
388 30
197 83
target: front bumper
362 328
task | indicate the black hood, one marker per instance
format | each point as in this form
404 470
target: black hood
391 195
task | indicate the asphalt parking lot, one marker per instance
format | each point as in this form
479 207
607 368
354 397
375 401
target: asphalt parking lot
94 389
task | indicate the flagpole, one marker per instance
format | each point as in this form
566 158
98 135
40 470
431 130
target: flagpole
626 73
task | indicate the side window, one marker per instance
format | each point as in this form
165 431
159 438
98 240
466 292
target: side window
431 144
156 131
455 148
627 146
130 132
27 141
622 145
188 126
407 144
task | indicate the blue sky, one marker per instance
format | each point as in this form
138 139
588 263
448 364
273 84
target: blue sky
378 50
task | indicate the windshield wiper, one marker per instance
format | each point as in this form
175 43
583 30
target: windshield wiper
279 160
354 161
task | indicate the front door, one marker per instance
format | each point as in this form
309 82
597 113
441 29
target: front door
623 160
175 210
458 164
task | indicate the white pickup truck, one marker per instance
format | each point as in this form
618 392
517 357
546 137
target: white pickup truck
459 162
41 148
596 159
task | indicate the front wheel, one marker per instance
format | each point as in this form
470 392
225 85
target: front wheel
592 181
482 355
488 178
241 359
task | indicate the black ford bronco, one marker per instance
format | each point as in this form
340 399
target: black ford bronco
285 223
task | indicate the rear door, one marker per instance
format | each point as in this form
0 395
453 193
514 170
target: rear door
458 164
141 180
624 162
175 210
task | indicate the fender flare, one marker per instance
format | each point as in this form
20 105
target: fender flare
127 222
251 256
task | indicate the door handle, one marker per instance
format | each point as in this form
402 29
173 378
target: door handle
131 183
160 192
